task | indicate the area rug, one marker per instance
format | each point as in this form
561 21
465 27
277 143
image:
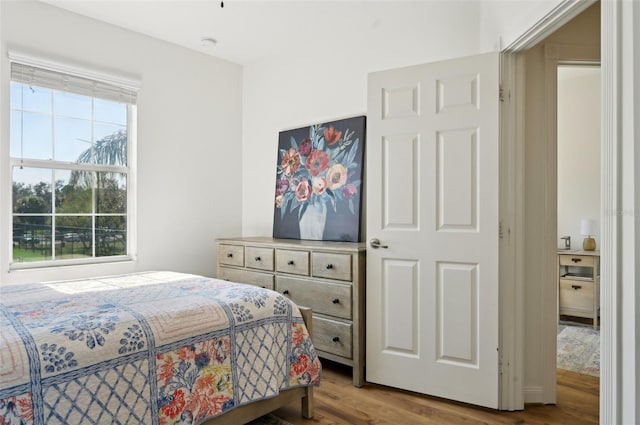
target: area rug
269 420
579 349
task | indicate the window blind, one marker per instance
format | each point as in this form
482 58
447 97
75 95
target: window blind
52 79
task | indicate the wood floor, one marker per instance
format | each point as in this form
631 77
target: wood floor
337 402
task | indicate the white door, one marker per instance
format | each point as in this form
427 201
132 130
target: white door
432 202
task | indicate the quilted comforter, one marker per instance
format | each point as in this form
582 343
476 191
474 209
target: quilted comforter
148 348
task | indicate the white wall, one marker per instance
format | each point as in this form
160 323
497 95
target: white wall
189 137
331 82
578 151
505 21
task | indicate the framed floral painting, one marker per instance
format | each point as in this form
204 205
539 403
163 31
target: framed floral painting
318 194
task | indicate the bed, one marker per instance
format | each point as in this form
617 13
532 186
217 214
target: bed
151 348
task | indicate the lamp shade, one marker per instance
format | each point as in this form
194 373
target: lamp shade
587 227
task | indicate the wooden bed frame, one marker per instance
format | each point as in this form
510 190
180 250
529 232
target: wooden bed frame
251 411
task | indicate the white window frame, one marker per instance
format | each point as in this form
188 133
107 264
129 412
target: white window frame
130 169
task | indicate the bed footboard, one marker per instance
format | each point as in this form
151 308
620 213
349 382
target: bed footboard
307 399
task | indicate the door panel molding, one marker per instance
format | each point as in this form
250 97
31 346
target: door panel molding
401 181
457 185
457 313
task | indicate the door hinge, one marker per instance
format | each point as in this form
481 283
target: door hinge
504 94
501 230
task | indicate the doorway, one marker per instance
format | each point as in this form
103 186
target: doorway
575 42
578 217
535 356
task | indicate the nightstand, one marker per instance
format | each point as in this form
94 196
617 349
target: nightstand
579 284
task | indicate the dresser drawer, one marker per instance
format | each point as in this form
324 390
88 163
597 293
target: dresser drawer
576 295
577 260
263 280
259 258
331 266
231 255
332 336
322 297
291 261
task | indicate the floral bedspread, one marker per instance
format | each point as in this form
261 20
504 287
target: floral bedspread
149 348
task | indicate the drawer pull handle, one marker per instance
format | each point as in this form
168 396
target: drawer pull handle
335 339
229 255
257 258
336 301
329 266
290 262
285 292
576 287
576 260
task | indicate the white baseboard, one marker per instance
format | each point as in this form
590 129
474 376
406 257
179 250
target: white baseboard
533 395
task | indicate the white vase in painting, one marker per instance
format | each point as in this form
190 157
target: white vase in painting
312 222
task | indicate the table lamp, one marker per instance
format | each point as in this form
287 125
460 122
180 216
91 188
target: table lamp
588 229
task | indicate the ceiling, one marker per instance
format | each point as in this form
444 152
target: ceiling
248 31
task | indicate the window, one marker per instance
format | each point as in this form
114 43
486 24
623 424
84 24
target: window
70 144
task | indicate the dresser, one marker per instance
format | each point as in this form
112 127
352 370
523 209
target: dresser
328 277
579 284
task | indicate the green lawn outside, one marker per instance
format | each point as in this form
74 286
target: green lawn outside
41 252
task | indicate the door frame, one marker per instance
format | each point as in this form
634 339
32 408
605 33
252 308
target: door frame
512 211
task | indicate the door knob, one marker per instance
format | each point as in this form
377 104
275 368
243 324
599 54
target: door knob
375 243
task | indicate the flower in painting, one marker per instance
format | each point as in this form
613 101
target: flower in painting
317 162
175 404
319 185
331 135
349 191
305 146
294 181
281 186
320 170
303 191
290 162
337 176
